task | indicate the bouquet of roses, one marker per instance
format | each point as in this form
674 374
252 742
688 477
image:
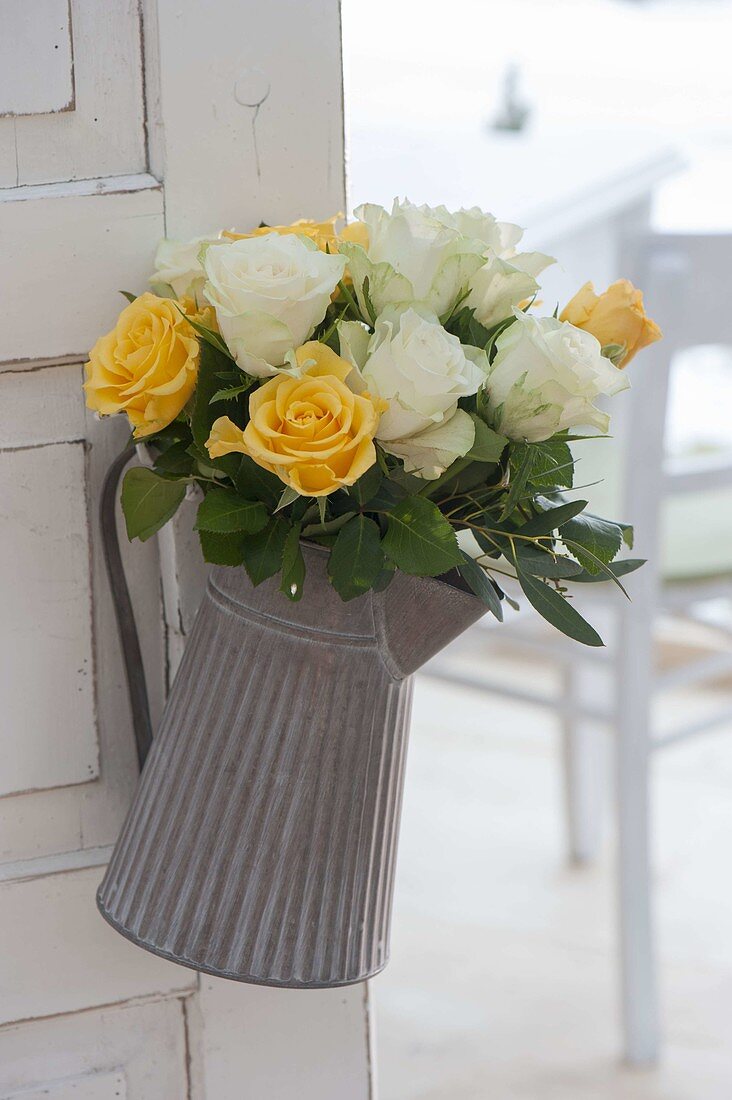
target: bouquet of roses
387 391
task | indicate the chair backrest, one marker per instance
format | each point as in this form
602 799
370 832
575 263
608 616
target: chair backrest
685 282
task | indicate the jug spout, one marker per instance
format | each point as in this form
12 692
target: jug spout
416 617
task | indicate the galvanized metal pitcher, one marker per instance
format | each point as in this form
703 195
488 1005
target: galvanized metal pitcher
261 843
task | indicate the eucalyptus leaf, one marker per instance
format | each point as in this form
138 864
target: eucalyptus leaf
557 610
481 584
617 568
542 564
548 521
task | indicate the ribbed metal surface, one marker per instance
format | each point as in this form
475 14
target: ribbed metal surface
261 844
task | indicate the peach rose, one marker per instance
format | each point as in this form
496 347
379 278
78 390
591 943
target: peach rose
615 317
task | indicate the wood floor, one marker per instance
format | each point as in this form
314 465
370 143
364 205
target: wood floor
502 983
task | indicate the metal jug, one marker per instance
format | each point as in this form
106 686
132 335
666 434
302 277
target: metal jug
261 843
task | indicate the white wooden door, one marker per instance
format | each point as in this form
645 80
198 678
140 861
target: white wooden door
121 121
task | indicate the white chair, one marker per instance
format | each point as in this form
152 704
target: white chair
685 279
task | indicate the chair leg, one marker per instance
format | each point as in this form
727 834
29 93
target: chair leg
583 774
637 948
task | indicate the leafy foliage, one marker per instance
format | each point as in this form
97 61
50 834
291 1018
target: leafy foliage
513 497
420 540
148 501
225 512
357 558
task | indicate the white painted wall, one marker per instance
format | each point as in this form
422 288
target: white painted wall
146 116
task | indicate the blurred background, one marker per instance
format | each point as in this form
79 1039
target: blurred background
605 128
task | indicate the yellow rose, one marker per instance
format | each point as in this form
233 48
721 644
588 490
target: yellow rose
205 314
325 234
615 317
312 431
146 366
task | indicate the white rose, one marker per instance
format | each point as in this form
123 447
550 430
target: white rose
500 237
507 277
501 284
178 265
269 294
421 371
544 378
412 256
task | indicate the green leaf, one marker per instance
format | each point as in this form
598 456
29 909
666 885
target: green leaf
600 537
329 527
469 331
202 415
541 564
521 464
256 483
385 577
148 501
224 511
356 559
552 518
617 568
221 549
209 467
367 485
175 460
488 445
557 611
481 584
128 295
263 552
367 300
553 465
420 540
228 394
209 336
293 565
287 496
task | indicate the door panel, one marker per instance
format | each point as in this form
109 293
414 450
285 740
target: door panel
143 1045
150 115
68 249
100 129
37 61
65 957
100 1086
47 621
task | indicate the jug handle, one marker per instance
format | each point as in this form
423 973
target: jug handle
123 611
